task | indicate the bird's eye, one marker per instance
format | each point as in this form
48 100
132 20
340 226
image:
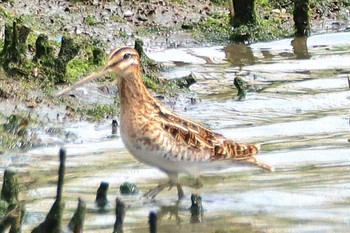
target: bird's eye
127 56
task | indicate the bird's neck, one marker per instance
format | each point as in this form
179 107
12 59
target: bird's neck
133 93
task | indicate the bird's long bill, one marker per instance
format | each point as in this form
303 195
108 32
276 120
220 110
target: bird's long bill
92 76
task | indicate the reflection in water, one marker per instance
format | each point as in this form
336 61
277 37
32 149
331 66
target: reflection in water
172 210
196 210
300 47
195 224
267 54
239 54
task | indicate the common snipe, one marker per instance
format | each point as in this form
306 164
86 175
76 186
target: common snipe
158 137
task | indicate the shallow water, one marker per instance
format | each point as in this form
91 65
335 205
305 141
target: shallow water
297 109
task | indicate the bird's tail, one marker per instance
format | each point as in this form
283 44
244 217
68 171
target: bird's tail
253 161
240 153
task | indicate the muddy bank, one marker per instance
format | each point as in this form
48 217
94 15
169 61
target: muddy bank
164 24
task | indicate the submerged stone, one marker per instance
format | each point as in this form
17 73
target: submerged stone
128 188
241 87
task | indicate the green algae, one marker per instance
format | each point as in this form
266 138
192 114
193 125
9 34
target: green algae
90 57
15 132
214 29
13 54
98 111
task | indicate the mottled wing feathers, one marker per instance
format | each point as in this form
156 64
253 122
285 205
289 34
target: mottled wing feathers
189 132
229 148
198 137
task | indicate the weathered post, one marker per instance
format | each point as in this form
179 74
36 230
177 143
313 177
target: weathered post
114 127
240 85
301 15
147 64
68 51
13 54
244 13
119 214
98 56
52 223
54 68
196 209
12 219
77 222
152 220
101 195
10 187
12 211
42 48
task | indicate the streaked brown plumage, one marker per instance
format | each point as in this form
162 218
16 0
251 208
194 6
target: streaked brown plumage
158 137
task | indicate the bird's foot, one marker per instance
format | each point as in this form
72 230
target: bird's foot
152 193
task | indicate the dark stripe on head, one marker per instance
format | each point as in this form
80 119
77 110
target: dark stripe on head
118 51
114 63
117 62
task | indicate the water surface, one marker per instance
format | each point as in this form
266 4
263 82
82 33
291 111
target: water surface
297 109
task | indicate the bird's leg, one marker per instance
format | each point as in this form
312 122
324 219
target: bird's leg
173 180
174 177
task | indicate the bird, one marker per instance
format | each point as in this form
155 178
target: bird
161 138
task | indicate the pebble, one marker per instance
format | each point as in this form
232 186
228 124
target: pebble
128 13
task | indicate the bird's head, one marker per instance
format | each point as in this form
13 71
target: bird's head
122 61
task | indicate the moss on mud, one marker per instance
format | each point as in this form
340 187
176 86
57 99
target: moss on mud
98 111
15 133
215 28
53 68
13 54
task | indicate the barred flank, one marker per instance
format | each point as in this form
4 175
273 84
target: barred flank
230 149
240 153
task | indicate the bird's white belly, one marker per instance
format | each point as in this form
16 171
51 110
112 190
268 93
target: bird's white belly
156 158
